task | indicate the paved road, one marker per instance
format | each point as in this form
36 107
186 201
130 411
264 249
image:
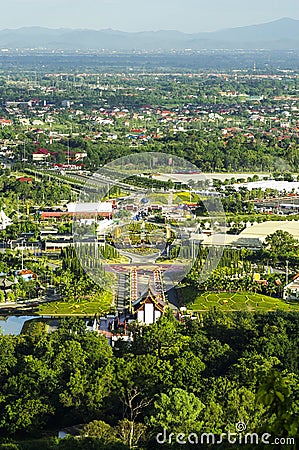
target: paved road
123 294
140 259
33 302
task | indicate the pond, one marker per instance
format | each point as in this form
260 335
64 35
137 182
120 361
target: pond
14 324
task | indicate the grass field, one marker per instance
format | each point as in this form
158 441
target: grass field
234 302
84 308
184 197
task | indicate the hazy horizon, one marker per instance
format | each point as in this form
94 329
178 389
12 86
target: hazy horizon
141 15
138 31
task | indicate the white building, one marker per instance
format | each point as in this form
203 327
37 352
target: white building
291 291
149 307
4 220
99 208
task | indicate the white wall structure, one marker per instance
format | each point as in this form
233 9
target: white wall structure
148 313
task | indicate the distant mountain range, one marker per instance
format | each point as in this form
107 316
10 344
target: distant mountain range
281 34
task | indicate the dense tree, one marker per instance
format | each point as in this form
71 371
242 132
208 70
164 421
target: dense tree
222 370
177 412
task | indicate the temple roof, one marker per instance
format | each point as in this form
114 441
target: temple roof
149 295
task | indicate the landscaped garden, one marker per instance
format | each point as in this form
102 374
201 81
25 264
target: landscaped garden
86 307
234 301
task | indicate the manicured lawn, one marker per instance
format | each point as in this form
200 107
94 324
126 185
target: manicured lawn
234 302
184 197
159 198
86 307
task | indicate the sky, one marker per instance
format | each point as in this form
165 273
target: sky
145 15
